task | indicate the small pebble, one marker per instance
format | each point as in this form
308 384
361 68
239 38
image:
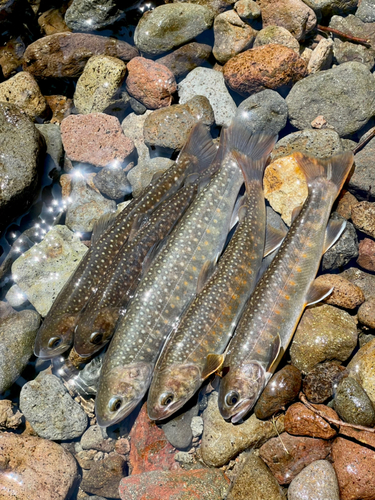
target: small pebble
196 426
88 15
352 403
347 51
364 173
363 217
365 281
133 126
184 59
345 248
178 429
141 175
294 15
345 202
112 182
247 9
317 481
93 439
104 476
321 58
320 383
10 416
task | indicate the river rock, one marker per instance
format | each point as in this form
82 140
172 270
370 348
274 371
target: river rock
171 25
365 11
366 313
301 421
344 95
321 382
324 333
133 126
60 106
366 257
325 8
95 138
35 468
281 390
141 175
209 83
276 35
254 481
104 476
16 297
363 217
11 54
52 136
52 21
345 201
294 15
232 36
112 182
353 26
362 368
222 440
23 90
365 281
322 56
178 430
344 294
91 15
247 9
17 337
10 416
184 59
347 51
352 403
93 439
345 249
271 66
43 270
50 410
317 481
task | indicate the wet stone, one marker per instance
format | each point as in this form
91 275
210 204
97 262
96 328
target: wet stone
362 369
366 313
366 257
363 217
317 481
133 126
321 382
23 90
352 403
104 476
93 439
196 425
112 182
60 106
11 55
52 21
281 390
277 35
364 173
52 136
91 15
184 59
178 430
344 294
365 281
345 249
141 175
16 297
301 421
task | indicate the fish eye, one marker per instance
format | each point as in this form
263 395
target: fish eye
96 338
54 342
232 398
115 404
166 399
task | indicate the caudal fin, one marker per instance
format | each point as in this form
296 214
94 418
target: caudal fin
336 168
199 148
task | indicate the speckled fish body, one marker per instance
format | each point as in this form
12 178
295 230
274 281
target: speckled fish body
98 320
273 311
56 333
164 293
208 324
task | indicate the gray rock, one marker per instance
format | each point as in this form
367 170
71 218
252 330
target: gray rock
352 403
345 249
247 9
362 182
132 126
171 25
317 481
185 458
42 271
325 8
50 410
178 430
344 95
353 26
90 15
365 281
265 111
17 337
93 439
20 167
278 35
197 426
184 59
52 136
16 297
112 182
366 11
141 175
209 83
347 51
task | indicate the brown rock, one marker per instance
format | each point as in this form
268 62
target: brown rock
281 390
23 91
294 15
184 59
272 66
60 106
300 421
362 368
287 455
365 437
122 446
355 469
366 313
11 55
95 138
366 257
104 476
363 217
52 21
345 202
320 382
345 294
10 417
33 468
65 54
150 82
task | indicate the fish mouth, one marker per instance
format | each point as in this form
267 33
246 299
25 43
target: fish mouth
48 353
241 410
158 412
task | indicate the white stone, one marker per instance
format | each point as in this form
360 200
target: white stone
321 57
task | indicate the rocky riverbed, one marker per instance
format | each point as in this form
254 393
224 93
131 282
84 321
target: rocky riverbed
95 100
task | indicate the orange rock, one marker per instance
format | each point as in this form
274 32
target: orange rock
345 294
60 106
345 202
301 421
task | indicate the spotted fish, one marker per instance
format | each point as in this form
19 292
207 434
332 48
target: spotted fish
287 287
98 320
56 333
194 351
165 291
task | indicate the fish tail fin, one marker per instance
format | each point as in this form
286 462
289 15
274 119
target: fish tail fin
250 150
335 169
199 148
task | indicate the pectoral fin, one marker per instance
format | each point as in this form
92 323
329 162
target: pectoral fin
334 230
317 293
274 238
207 271
275 352
213 363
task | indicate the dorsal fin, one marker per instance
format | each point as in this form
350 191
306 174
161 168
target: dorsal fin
101 225
334 230
199 146
213 363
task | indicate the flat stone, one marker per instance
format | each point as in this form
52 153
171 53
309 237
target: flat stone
345 294
91 15
321 382
363 217
52 136
322 56
344 250
104 476
317 481
366 257
43 270
344 95
347 51
23 90
184 59
301 421
366 313
365 281
141 175
178 430
352 403
277 35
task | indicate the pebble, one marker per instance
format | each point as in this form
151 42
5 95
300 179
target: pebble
247 9
285 186
95 138
171 25
23 90
301 421
184 458
43 270
196 426
365 11
322 56
362 369
99 83
202 484
232 36
11 54
17 337
52 21
355 468
254 482
52 136
209 83
16 297
363 217
324 333
112 182
271 66
133 126
178 429
35 468
352 403
10 416
50 410
345 202
341 94
104 476
141 175
320 383
366 313
366 256
365 281
276 35
344 294
150 82
170 127
281 390
345 249
317 481
45 58
93 439
184 59
89 15
60 106
221 440
347 51
264 111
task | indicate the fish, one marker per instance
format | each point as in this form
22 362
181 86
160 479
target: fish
166 290
55 335
286 288
194 351
99 317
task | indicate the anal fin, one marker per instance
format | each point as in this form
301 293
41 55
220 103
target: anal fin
317 293
213 363
334 230
274 238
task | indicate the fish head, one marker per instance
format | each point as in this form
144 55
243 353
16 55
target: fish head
55 336
94 332
120 390
240 390
171 388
